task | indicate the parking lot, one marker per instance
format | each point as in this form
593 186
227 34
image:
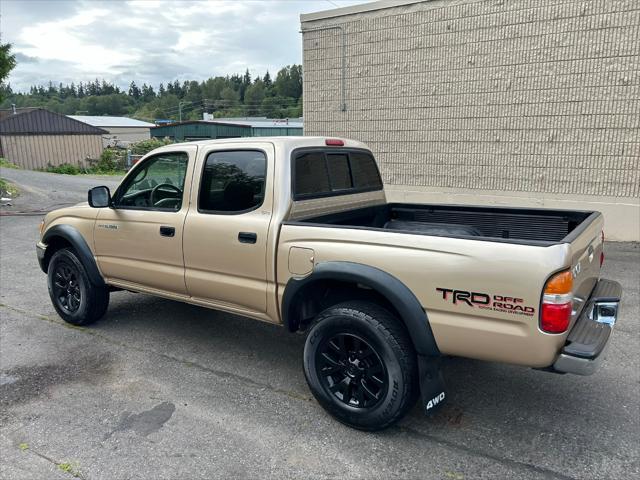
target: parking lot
159 389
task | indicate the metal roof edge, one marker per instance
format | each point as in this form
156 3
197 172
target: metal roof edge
354 9
204 122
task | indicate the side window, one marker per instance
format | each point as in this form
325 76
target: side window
233 181
156 184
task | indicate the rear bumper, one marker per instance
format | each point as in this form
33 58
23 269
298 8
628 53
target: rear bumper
589 337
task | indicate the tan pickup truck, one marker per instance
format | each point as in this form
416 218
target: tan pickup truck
296 231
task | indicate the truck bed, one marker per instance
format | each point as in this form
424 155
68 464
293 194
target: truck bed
511 225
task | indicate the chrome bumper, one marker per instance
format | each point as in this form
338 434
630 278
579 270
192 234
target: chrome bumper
590 335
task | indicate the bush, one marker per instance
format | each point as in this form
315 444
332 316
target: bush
7 164
111 161
145 146
64 168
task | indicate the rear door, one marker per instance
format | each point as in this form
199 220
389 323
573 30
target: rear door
225 235
139 240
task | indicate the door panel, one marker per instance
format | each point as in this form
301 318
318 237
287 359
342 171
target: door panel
144 246
225 247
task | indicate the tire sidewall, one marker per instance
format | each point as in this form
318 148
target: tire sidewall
384 412
67 256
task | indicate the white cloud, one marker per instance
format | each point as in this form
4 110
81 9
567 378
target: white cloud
152 41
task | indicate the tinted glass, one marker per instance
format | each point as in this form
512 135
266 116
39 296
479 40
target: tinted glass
233 181
311 174
157 183
338 164
364 171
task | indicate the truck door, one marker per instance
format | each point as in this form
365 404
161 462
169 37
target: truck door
139 240
225 233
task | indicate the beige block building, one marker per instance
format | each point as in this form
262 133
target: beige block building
519 102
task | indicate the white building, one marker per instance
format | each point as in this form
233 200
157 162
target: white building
121 130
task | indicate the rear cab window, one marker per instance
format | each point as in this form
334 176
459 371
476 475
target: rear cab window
321 173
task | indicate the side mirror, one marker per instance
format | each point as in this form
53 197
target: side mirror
99 197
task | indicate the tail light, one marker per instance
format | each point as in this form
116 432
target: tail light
557 303
602 252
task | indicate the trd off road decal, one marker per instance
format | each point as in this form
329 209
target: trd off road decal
484 301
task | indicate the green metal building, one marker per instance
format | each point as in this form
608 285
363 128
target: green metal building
211 129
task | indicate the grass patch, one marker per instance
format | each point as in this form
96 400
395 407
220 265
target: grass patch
67 467
7 189
64 169
4 163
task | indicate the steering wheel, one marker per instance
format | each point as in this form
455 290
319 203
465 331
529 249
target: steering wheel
166 186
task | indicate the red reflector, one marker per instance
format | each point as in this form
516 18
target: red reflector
334 142
555 317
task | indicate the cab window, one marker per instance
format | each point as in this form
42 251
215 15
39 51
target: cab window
157 184
233 181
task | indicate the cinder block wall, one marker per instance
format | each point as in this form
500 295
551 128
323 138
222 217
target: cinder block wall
518 102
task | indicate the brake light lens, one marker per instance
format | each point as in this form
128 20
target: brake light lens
602 252
334 142
557 303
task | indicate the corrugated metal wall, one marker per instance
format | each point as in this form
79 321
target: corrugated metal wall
199 130
38 151
275 131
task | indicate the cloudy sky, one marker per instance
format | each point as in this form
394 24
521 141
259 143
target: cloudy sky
151 41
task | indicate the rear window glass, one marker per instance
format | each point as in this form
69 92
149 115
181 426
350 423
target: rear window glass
311 174
322 173
365 172
339 175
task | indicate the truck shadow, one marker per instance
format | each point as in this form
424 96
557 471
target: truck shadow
481 397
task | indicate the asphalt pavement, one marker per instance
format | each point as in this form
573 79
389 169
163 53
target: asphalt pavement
164 390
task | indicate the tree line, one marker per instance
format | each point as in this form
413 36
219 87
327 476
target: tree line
229 96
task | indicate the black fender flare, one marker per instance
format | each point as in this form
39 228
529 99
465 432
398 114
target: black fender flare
79 244
397 293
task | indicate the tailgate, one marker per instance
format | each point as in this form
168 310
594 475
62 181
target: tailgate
586 244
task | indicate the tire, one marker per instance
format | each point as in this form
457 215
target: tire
361 366
74 297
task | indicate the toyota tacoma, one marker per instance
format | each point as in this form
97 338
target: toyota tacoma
297 231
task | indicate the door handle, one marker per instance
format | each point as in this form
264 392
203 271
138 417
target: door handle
167 231
247 237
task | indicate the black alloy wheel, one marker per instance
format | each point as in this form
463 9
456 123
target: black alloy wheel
352 371
360 364
76 299
66 286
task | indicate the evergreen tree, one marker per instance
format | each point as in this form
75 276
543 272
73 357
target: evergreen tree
134 91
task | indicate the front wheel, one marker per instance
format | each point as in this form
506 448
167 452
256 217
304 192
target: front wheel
74 297
361 366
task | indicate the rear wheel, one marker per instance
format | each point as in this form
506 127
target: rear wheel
361 366
74 297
